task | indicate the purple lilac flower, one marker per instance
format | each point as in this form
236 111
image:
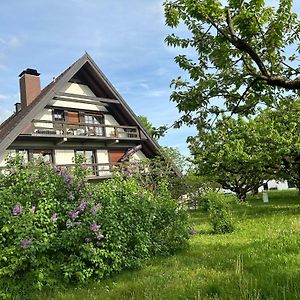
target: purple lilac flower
73 214
68 180
71 197
88 240
99 236
54 218
33 208
96 208
17 210
25 243
82 205
94 227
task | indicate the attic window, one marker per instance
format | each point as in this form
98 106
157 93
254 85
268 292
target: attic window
59 115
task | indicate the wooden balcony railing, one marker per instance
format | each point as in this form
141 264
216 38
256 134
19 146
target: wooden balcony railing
104 170
94 170
66 129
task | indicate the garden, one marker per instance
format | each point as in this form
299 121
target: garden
258 260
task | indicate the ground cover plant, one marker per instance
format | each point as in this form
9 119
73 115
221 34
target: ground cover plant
56 229
259 260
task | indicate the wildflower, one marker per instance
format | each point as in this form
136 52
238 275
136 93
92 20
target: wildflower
96 208
24 244
73 214
33 209
88 240
54 218
94 227
99 236
71 197
68 180
17 210
82 205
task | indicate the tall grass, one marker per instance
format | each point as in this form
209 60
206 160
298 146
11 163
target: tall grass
259 260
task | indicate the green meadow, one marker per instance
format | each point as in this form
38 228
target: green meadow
259 260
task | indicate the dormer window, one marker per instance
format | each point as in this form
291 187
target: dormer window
58 115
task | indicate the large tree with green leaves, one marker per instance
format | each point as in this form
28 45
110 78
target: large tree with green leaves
284 135
245 54
239 154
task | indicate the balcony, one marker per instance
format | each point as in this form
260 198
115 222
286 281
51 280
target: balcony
95 171
77 130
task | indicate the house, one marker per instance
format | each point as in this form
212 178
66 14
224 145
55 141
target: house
79 112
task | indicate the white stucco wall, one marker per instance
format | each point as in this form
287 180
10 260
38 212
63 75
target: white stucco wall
110 120
77 105
102 158
139 155
64 157
79 89
45 115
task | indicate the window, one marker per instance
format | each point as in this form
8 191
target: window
89 160
59 115
95 120
23 154
45 155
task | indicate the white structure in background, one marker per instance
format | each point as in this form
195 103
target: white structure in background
277 185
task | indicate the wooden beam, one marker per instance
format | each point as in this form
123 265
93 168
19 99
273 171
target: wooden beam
105 100
80 101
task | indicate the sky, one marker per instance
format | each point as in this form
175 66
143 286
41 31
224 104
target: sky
125 38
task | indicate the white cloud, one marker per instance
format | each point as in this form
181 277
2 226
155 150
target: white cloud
5 114
3 97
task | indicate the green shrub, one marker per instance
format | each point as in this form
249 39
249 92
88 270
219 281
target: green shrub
216 204
55 228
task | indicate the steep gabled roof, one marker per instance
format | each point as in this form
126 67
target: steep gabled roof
13 126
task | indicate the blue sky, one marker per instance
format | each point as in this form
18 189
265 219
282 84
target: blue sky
125 38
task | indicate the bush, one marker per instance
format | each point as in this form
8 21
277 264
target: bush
216 204
56 229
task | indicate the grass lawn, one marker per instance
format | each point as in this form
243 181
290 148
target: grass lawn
259 260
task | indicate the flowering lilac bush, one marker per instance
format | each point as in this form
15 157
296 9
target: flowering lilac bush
56 228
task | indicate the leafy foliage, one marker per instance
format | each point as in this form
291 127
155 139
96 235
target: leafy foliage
55 228
242 51
238 154
216 204
155 132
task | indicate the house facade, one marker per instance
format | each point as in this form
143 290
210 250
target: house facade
79 112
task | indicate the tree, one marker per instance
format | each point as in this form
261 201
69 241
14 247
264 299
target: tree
283 130
245 52
238 154
155 132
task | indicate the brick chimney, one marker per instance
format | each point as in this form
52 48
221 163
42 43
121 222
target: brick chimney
30 86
